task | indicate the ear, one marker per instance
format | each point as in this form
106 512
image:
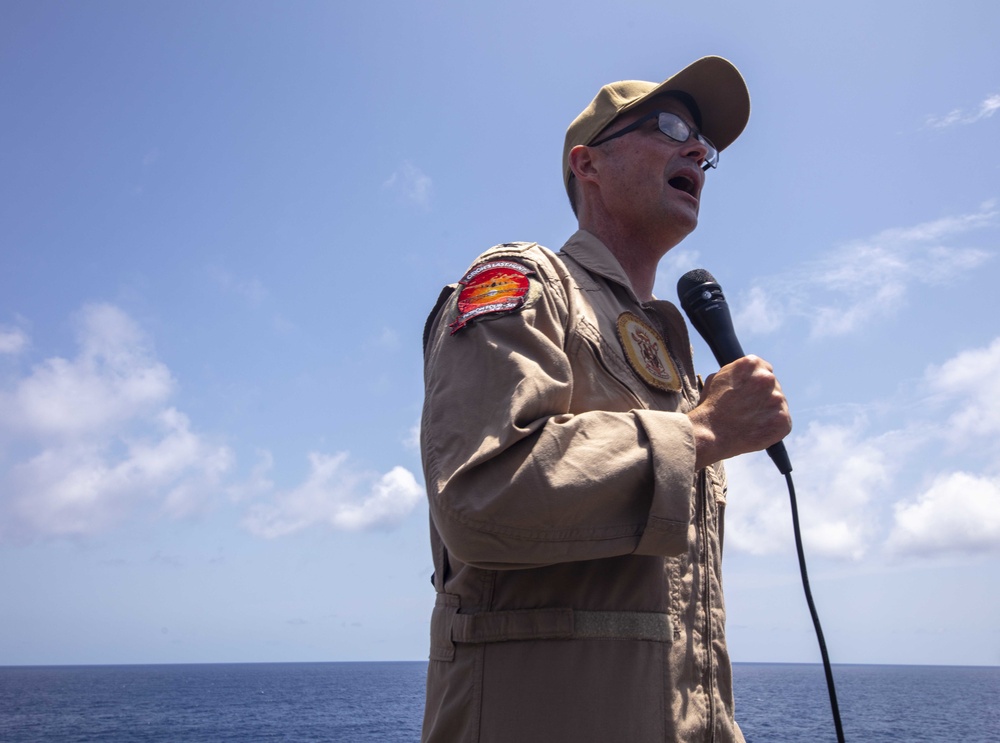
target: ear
581 162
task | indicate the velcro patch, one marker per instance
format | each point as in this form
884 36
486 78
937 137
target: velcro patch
499 286
647 353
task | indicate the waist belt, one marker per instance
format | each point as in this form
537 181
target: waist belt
449 627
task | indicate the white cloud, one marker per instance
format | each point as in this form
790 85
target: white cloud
412 440
846 473
868 278
939 229
674 264
412 183
839 474
335 495
973 379
113 379
959 512
759 312
82 488
12 340
867 302
259 484
989 106
92 437
873 276
87 441
757 516
853 480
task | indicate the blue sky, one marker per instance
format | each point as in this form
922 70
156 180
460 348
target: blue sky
222 225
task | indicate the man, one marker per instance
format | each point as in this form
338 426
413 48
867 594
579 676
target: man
573 464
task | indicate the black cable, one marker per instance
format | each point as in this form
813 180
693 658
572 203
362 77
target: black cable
812 611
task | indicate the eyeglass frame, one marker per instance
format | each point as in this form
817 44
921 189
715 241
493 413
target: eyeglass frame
710 161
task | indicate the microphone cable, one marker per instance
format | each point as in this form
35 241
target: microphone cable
827 669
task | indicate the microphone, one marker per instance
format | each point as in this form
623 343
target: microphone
705 305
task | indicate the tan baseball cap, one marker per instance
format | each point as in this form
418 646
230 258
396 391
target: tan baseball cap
715 84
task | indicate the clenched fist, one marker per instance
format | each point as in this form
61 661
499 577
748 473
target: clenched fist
742 409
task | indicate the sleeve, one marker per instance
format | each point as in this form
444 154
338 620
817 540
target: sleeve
519 473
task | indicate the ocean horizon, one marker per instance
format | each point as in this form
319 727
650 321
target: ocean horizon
361 701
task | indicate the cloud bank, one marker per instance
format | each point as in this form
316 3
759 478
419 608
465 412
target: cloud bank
91 441
12 341
865 279
989 106
854 496
335 495
958 512
91 438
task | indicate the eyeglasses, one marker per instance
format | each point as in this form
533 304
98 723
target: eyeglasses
676 129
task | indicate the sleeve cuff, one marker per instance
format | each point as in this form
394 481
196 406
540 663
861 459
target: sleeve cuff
672 450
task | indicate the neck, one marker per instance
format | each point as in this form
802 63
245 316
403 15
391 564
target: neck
638 254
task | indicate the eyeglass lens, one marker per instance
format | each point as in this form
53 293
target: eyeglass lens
677 129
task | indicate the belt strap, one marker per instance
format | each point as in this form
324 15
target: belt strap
554 624
543 624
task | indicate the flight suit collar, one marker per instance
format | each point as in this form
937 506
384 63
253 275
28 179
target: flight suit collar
587 250
594 256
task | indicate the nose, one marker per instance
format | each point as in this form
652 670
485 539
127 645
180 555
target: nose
696 149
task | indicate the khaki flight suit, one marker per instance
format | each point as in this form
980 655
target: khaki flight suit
577 552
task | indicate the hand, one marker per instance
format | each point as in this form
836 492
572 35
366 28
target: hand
742 409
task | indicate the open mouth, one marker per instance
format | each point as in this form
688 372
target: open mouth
685 184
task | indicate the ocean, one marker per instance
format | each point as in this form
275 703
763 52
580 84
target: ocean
348 702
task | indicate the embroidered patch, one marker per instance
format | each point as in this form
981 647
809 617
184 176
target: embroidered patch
492 287
647 353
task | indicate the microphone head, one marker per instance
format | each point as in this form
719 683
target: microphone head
694 278
704 303
698 290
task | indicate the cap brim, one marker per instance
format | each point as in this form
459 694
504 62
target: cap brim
720 92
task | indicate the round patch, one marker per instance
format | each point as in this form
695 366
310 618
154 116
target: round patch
647 353
493 287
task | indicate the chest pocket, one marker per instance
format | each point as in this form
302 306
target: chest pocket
603 378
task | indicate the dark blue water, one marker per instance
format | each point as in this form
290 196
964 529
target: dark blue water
916 704
383 702
210 703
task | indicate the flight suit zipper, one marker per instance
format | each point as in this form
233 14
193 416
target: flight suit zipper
703 496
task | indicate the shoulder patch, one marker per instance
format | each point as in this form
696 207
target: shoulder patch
499 286
647 353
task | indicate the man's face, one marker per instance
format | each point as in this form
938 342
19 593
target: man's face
650 183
